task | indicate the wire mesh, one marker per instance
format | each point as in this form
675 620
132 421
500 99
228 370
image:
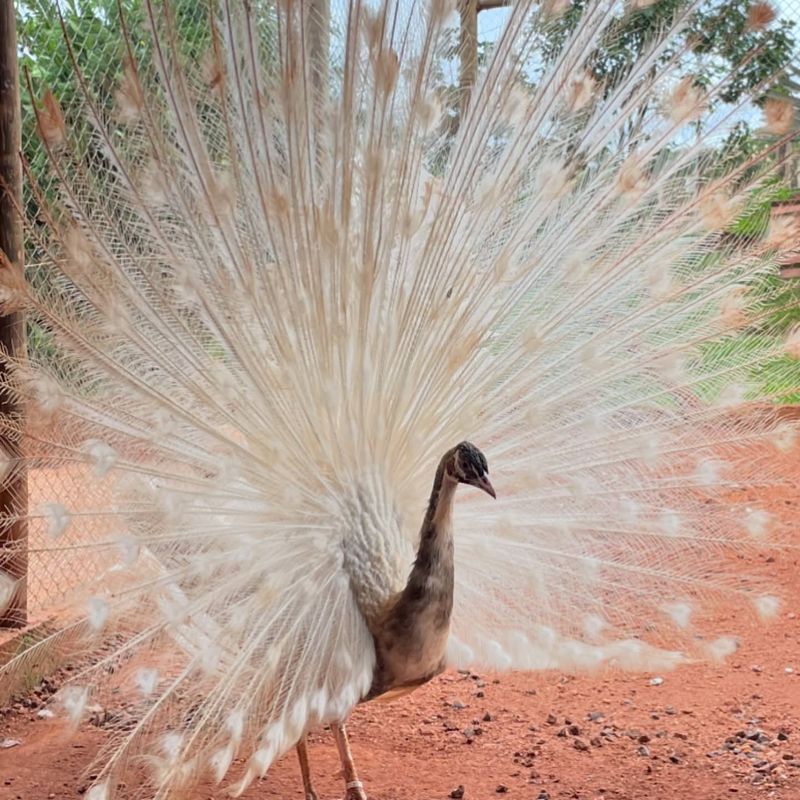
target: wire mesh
54 576
61 498
73 50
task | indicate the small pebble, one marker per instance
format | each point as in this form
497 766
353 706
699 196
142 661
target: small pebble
9 743
657 681
580 745
643 751
501 788
457 793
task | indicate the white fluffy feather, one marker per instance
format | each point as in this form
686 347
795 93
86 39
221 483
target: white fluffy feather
277 307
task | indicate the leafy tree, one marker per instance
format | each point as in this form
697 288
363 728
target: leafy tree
94 31
96 48
719 36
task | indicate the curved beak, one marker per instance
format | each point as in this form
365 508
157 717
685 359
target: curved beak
484 483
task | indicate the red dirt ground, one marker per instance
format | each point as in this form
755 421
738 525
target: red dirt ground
534 735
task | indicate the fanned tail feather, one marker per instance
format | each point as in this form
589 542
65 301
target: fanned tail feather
274 288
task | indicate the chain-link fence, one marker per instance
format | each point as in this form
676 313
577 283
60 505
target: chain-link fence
64 533
72 60
62 501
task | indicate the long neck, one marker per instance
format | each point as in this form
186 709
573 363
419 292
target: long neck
433 567
411 639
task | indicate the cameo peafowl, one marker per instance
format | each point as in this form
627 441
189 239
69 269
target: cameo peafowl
276 272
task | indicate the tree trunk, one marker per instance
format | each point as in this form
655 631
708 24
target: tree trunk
14 496
468 49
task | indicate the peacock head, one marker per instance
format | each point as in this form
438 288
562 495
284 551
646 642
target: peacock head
468 465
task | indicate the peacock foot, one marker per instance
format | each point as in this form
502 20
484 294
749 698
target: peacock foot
355 791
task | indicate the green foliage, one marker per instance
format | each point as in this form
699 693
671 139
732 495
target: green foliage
44 62
754 219
717 35
92 65
721 31
723 46
778 378
40 341
775 301
781 312
94 30
621 45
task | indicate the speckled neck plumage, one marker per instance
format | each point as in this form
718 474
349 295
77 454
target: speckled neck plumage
410 642
434 560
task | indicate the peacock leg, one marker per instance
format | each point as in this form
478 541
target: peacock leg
302 757
355 789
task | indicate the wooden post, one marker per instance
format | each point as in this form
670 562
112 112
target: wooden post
468 50
319 45
318 39
789 258
14 496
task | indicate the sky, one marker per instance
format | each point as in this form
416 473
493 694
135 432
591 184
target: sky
789 9
491 21
490 24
